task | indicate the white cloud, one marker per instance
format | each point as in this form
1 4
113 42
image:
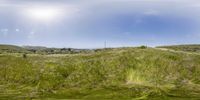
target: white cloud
17 30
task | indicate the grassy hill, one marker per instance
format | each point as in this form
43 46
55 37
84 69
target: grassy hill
11 49
187 48
121 73
40 50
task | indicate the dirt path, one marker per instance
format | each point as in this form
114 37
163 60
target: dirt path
165 49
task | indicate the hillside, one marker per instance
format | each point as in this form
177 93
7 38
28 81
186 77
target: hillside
11 49
4 48
121 73
187 48
35 47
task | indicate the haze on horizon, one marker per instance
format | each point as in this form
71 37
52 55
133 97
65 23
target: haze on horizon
88 23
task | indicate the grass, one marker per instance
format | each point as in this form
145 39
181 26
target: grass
11 49
187 48
122 73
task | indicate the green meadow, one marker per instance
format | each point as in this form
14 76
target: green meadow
117 74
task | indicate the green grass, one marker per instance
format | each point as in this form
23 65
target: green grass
11 49
123 73
187 48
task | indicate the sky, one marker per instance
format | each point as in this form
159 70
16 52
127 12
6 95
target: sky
89 23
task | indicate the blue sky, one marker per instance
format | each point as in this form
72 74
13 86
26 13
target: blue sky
88 23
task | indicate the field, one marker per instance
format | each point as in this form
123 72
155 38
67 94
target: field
187 48
120 73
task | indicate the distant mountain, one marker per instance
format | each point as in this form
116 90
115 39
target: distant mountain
34 47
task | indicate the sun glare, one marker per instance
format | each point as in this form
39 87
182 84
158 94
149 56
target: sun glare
43 14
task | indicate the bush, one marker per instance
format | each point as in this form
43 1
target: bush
143 47
24 55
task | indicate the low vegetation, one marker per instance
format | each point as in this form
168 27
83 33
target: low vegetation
11 49
121 73
40 50
186 48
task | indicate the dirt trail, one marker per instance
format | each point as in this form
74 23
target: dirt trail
165 49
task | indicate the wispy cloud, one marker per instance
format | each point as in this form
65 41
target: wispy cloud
4 32
31 35
151 12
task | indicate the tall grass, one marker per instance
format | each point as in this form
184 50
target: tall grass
122 73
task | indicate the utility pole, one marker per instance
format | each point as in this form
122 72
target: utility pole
104 44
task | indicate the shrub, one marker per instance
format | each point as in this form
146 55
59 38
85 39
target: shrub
24 55
143 47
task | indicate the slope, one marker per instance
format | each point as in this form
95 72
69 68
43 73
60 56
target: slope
11 49
187 48
122 73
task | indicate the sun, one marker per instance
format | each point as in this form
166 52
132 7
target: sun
43 14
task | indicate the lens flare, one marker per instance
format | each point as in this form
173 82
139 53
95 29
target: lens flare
44 14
